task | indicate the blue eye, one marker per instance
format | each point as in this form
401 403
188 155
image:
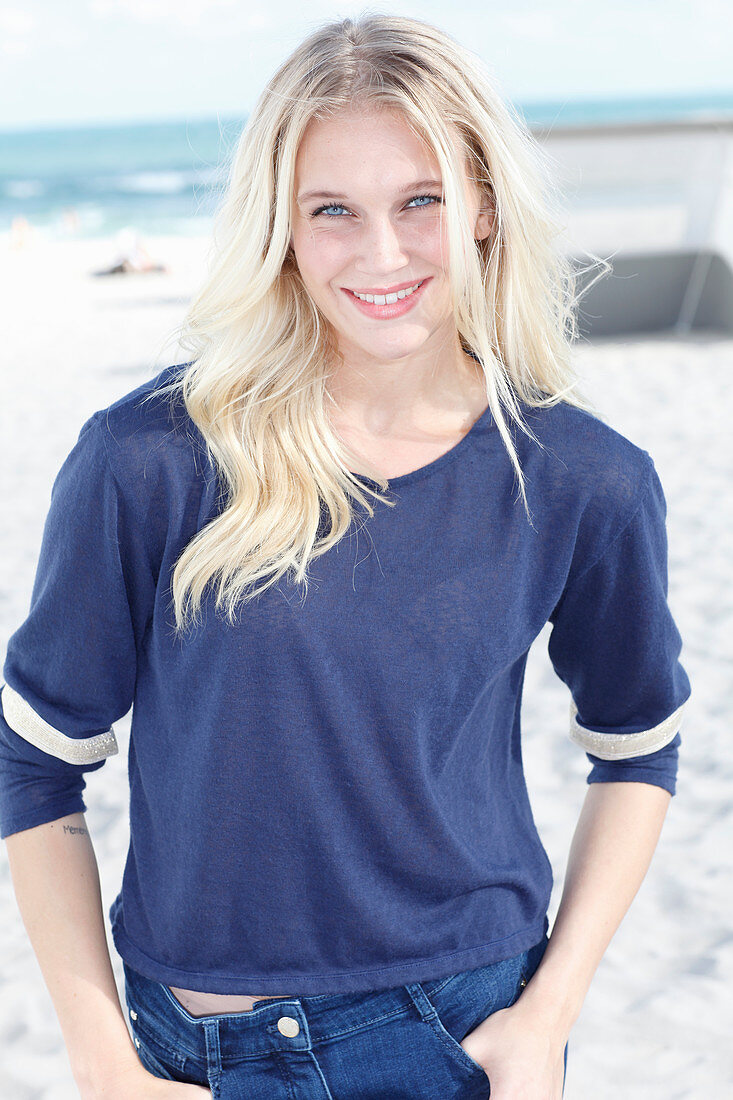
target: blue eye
437 198
323 209
338 206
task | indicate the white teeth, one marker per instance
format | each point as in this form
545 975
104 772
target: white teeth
388 299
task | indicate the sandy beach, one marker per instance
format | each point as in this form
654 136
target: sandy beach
657 1021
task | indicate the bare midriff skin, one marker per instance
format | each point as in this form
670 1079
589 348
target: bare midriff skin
214 1004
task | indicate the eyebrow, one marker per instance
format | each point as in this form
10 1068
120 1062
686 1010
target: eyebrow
418 185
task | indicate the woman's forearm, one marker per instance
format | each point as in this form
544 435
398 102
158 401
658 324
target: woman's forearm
615 838
56 884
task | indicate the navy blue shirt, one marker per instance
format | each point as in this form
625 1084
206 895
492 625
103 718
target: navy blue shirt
329 796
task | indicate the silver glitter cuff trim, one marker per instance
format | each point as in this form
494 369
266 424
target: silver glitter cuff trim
21 718
624 746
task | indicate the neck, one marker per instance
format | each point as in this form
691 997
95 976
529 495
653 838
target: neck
414 392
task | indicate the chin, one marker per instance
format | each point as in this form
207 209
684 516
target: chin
393 345
391 354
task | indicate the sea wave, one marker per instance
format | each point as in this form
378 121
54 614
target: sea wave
158 183
22 189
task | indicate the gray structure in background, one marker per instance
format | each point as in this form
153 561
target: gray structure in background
655 200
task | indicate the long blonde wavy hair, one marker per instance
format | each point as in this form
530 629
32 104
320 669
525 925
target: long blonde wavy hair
256 386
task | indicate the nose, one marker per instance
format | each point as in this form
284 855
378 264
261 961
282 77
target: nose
382 248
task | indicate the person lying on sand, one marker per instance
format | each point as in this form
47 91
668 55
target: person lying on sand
133 257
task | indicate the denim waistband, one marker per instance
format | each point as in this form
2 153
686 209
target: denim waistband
317 1018
292 1023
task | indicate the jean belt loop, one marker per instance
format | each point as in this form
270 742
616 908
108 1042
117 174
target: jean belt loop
421 1001
213 1049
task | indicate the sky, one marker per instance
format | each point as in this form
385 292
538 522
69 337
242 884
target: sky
66 62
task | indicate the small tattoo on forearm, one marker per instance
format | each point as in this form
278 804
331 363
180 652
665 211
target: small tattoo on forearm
75 829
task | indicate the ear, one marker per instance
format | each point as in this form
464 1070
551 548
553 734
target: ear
484 222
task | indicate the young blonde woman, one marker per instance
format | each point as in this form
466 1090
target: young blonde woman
313 559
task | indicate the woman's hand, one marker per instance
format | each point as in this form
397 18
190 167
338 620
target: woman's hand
134 1081
155 1088
522 1056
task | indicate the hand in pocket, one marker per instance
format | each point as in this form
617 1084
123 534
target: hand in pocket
520 1055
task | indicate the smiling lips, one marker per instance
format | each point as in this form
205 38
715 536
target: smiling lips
387 304
387 297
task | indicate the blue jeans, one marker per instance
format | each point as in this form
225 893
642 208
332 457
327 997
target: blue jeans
401 1043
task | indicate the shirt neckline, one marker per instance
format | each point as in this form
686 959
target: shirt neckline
484 420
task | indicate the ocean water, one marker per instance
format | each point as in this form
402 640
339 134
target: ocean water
168 177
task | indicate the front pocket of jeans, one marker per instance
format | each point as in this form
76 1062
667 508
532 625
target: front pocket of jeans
150 1062
146 1035
466 999
454 1047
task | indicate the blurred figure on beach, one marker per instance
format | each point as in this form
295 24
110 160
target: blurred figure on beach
132 257
22 233
70 222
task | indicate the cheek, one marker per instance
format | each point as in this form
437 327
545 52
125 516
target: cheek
428 241
441 247
320 257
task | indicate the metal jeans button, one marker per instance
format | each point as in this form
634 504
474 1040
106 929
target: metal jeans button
286 1025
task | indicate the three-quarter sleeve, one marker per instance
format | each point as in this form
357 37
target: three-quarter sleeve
615 644
69 671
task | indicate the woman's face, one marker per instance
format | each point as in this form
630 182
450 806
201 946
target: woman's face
367 220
